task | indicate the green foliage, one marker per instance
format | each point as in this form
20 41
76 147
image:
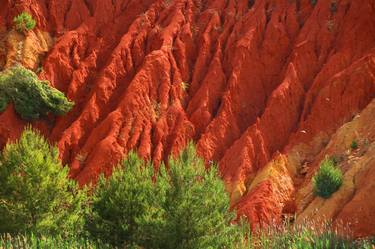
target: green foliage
313 2
31 97
197 206
134 208
284 237
24 22
328 179
36 194
56 242
307 236
354 145
185 208
3 101
126 208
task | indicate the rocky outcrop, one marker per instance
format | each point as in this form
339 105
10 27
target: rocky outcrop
261 86
28 50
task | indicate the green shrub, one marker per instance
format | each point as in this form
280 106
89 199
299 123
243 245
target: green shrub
328 179
354 145
185 208
36 195
126 208
31 97
24 22
313 2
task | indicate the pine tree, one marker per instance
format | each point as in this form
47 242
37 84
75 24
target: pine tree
127 207
186 207
197 206
36 194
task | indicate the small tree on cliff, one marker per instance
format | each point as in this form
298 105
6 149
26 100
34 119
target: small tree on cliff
32 98
36 194
24 22
187 207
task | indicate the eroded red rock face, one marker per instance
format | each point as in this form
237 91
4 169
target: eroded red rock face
244 79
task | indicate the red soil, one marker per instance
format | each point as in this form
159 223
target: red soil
260 78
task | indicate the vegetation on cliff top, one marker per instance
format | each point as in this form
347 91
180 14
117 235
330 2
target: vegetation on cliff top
24 22
32 98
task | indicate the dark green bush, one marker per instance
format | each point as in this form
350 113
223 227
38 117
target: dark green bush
328 179
24 22
31 97
36 195
185 208
354 145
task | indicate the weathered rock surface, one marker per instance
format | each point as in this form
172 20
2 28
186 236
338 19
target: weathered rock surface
246 80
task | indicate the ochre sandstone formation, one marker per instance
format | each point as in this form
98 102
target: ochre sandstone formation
262 87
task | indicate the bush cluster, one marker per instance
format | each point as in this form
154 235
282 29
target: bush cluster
185 206
328 179
32 98
24 22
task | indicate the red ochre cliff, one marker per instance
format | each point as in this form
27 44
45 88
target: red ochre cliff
266 88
